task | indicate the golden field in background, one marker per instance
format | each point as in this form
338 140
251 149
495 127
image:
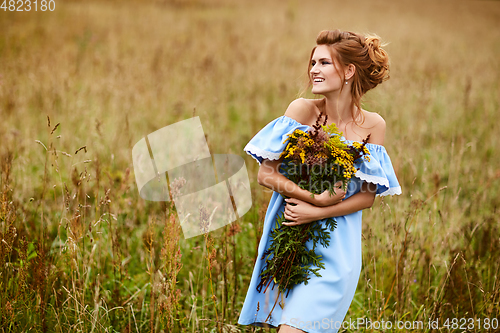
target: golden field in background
81 251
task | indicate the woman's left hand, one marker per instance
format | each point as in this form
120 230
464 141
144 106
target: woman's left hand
302 213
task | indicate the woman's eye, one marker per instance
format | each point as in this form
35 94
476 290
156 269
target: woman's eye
325 63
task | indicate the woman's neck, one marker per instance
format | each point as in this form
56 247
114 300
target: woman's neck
339 108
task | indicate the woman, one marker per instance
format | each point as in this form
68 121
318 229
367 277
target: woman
343 67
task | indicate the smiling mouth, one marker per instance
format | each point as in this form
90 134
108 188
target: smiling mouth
317 80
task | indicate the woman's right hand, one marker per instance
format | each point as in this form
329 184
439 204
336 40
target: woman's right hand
327 199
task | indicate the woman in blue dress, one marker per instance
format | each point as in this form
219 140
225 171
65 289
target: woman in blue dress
343 67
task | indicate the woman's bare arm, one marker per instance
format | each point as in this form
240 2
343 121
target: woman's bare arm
304 212
270 177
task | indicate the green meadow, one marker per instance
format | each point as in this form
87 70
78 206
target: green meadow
81 251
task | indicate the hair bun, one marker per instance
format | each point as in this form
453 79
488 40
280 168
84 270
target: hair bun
373 42
379 69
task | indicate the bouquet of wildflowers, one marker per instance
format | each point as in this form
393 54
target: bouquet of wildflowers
315 161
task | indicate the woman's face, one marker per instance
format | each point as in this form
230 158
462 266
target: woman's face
323 74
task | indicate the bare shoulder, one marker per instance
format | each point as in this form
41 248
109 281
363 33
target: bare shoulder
302 110
376 126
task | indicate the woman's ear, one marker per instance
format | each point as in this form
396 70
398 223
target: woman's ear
349 71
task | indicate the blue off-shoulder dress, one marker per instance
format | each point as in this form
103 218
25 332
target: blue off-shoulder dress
321 305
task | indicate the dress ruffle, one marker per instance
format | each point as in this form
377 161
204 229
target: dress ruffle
378 170
268 143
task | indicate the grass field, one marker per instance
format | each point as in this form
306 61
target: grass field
80 251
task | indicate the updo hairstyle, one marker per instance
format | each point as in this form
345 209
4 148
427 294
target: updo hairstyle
364 52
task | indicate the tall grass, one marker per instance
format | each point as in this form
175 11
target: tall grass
82 252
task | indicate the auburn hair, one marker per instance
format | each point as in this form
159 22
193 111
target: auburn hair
364 52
